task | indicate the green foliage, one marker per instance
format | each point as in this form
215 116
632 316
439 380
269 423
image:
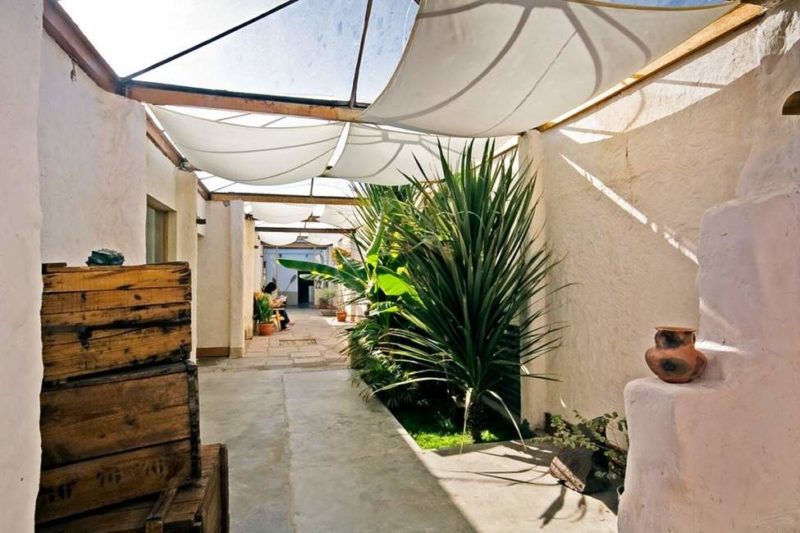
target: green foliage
449 267
263 308
327 297
475 268
433 426
607 433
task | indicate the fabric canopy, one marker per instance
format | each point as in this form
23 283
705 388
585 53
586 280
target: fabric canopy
500 67
283 214
379 154
257 155
285 150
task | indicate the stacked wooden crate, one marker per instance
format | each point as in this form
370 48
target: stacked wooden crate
119 402
198 508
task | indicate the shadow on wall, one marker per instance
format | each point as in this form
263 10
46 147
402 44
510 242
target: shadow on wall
626 188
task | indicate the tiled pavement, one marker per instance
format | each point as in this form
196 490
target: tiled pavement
313 341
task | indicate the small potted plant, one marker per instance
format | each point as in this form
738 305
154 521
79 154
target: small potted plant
265 314
341 314
327 305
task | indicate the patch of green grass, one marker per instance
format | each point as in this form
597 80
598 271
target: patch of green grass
433 428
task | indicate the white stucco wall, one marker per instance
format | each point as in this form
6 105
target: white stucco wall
239 275
186 235
224 274
20 280
626 186
213 279
175 190
250 286
160 177
92 164
720 453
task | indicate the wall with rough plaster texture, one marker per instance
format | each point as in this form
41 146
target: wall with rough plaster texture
92 163
21 284
626 187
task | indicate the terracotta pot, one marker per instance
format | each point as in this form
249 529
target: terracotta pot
341 315
266 328
674 358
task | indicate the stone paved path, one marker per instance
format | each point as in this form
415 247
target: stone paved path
313 341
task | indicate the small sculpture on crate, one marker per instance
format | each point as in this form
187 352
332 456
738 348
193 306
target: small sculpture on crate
674 358
105 257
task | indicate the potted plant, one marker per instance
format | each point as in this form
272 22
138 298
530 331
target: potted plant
341 314
265 314
327 306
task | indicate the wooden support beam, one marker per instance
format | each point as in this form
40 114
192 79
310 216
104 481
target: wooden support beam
728 23
163 94
163 143
269 229
69 37
282 198
203 190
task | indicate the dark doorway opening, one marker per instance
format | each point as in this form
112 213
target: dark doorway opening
303 290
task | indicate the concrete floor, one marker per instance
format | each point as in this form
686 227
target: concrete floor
308 454
501 488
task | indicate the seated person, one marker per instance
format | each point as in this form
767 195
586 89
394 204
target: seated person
277 301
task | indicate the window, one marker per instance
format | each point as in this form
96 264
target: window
156 235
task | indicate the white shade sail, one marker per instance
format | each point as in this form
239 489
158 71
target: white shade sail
277 239
379 154
270 155
282 213
340 216
500 67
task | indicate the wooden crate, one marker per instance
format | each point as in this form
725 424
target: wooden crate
99 319
201 507
101 415
110 438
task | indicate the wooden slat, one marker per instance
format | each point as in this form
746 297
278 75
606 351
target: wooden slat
88 485
123 518
67 354
116 278
283 198
163 94
215 351
121 317
155 520
268 229
201 506
87 301
102 418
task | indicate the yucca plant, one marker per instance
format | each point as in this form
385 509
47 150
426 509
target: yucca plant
476 270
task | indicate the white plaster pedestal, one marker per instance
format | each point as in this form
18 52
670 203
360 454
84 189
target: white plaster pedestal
722 453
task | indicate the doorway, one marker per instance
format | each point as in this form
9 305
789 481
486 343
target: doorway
304 287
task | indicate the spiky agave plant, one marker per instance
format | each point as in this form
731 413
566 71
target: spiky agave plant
476 269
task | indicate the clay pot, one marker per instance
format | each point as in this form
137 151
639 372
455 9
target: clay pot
674 358
266 329
341 315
